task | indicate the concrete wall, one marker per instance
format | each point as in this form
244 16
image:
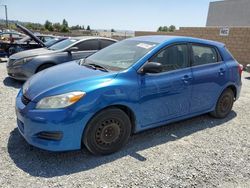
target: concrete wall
229 13
238 40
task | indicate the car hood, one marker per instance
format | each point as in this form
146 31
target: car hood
62 79
31 53
31 35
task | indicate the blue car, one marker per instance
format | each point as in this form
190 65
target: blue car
133 85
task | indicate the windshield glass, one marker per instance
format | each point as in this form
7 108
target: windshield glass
121 55
52 42
63 44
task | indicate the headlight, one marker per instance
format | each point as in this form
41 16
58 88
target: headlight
60 101
22 61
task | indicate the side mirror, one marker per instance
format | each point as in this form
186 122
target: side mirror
152 67
72 49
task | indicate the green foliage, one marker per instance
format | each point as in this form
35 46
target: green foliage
48 25
76 27
57 27
171 28
88 28
65 23
112 30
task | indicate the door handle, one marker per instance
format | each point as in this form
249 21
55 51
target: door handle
186 79
222 71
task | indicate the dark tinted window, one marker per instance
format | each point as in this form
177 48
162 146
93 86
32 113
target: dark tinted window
88 45
105 43
204 55
172 58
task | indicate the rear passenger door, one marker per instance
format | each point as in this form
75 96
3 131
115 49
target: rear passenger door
85 49
208 70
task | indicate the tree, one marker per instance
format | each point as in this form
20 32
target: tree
172 28
88 28
57 27
159 29
165 29
112 30
65 26
83 28
48 25
65 23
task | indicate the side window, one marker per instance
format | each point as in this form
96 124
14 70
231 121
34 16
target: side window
105 43
88 45
204 55
173 58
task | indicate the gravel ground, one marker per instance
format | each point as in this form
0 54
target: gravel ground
199 152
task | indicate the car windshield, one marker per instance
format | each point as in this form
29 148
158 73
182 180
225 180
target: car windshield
63 44
121 55
52 42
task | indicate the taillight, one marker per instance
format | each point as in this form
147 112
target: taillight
240 69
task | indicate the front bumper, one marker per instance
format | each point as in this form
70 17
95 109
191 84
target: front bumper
53 130
17 73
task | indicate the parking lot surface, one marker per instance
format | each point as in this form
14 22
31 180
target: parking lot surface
199 152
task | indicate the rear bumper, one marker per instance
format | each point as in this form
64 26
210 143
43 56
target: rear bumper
52 130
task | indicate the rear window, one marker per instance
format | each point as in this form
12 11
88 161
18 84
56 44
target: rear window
204 55
105 43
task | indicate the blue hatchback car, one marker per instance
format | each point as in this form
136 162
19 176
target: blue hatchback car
133 85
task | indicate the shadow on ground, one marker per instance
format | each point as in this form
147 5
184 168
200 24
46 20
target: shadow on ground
41 163
10 82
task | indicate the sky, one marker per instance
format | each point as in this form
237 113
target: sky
136 15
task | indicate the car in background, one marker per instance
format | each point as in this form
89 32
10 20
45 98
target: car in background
31 41
24 64
248 68
6 38
133 85
10 35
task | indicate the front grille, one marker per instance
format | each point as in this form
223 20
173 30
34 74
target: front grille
25 100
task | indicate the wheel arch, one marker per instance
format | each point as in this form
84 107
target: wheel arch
122 107
46 63
233 88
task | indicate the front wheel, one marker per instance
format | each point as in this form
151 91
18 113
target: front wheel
107 132
224 104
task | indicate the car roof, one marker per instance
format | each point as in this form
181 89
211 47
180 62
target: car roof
168 38
91 37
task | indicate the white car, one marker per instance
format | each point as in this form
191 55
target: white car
248 68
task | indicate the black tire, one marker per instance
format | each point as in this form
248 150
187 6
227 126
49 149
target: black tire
107 132
45 66
224 104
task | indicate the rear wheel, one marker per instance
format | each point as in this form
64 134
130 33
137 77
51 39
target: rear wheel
224 104
45 66
107 132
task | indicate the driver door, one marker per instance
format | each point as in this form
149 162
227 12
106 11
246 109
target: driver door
166 95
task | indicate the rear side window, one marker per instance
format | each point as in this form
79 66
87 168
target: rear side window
88 45
105 43
204 55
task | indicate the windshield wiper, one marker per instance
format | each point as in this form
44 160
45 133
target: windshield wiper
96 66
